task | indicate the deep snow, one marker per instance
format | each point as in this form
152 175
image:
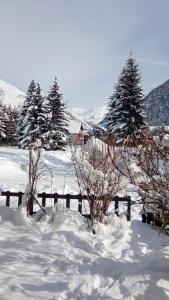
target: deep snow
57 165
63 259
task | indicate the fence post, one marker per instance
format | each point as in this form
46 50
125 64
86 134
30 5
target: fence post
20 198
91 206
80 204
129 208
44 199
8 198
68 200
116 205
55 198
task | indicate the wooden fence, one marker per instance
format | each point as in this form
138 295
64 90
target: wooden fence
68 197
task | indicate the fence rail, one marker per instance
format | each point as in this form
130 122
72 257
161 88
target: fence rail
68 197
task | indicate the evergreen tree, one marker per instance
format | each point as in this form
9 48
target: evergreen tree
2 123
58 123
23 118
126 117
41 114
35 120
11 122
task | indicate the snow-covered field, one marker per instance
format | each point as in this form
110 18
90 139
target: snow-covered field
63 259
59 173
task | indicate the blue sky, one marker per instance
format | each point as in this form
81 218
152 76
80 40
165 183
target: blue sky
84 43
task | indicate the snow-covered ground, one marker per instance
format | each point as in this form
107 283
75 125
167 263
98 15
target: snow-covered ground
63 259
57 166
59 175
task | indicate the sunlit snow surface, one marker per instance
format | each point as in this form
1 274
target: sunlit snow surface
63 259
10 95
57 166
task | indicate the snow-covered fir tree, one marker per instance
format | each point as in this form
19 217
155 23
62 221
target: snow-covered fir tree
41 114
33 120
2 123
126 117
11 121
58 122
23 118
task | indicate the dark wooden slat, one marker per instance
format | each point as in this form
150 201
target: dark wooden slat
80 203
129 209
68 200
8 198
62 196
121 199
91 206
55 198
12 194
116 205
43 196
20 195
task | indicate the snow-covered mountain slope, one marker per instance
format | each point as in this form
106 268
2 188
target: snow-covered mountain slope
88 118
75 121
10 95
92 116
158 105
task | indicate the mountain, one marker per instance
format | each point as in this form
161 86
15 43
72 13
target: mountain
157 107
75 121
92 117
10 95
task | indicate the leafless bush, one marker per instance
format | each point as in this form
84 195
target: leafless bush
147 168
35 173
97 177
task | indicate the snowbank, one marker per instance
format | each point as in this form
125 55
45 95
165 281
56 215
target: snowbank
59 258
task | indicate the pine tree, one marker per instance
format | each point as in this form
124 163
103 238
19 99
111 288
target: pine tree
58 123
2 123
23 118
35 120
126 117
11 122
41 112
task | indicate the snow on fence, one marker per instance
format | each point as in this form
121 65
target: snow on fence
68 197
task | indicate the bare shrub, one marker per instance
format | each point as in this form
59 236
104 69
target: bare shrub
146 166
97 177
35 173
